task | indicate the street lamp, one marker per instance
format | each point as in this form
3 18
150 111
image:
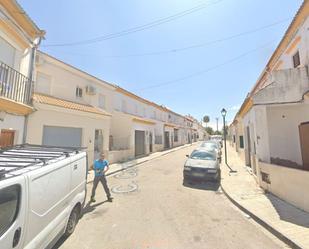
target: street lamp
223 113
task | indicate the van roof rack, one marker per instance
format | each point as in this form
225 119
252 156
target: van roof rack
22 158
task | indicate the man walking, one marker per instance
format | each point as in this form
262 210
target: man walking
100 167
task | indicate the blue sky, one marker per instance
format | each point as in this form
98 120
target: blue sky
201 80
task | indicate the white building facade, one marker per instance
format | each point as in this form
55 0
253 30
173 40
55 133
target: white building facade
19 39
72 108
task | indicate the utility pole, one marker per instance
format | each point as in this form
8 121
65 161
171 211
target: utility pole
217 119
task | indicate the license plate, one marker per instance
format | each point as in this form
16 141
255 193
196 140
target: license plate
212 171
197 174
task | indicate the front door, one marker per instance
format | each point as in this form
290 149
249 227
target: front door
6 138
304 143
139 143
13 205
166 139
98 143
248 147
150 142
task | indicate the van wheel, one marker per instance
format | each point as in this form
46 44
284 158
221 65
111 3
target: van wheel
73 219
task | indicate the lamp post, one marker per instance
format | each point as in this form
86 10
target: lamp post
223 113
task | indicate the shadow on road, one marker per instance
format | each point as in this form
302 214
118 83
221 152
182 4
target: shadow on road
210 186
90 208
87 209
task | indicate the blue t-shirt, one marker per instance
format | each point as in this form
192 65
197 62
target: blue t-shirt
99 167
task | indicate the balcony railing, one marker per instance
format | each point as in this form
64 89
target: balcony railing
14 85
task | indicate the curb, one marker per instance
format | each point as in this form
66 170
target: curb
147 160
263 223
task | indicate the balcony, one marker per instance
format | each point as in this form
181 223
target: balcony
15 91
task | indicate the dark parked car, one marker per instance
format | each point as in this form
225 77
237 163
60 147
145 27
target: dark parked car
202 165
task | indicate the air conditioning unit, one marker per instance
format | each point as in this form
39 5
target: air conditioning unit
91 90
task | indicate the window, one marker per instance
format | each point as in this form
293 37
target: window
43 83
79 92
123 106
8 53
9 206
175 135
296 59
102 101
241 142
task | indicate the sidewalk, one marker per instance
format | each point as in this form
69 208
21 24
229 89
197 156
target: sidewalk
287 222
117 167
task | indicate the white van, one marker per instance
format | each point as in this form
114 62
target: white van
42 193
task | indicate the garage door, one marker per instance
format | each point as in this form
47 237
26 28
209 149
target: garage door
62 136
139 143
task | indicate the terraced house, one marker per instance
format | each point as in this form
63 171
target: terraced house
271 129
72 108
19 39
46 101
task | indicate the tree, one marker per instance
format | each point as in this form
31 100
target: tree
209 130
218 133
206 119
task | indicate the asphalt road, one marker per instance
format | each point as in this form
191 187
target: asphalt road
152 209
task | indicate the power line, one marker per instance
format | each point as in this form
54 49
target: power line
137 28
208 69
181 49
176 50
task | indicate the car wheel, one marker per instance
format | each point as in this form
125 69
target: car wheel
72 222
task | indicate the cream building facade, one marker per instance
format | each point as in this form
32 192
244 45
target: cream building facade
72 108
274 117
19 39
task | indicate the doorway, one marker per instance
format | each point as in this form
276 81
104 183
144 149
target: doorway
166 140
248 147
139 143
98 143
304 144
150 142
7 138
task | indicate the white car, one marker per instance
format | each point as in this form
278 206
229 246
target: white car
42 193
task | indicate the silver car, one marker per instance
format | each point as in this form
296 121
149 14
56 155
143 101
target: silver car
203 165
212 146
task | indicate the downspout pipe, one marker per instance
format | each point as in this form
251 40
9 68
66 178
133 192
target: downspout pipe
30 75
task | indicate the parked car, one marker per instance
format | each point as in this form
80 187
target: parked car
217 138
212 146
203 165
42 193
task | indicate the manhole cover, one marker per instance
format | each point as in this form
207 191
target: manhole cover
122 189
127 174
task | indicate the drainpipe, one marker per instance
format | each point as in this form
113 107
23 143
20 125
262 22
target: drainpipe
30 75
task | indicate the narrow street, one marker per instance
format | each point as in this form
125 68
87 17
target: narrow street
152 209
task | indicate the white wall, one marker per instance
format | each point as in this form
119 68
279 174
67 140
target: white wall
64 80
284 132
289 184
16 123
262 133
302 47
53 116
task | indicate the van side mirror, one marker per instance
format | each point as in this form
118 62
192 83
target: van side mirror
187 155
